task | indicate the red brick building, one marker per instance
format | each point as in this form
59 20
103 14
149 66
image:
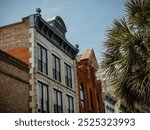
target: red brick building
89 88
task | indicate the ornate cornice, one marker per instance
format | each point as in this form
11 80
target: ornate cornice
53 35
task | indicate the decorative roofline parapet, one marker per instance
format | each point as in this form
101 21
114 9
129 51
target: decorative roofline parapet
52 35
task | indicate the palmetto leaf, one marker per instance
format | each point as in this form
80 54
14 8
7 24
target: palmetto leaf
127 58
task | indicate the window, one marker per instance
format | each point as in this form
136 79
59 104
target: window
42 97
109 109
57 101
70 105
56 68
68 76
98 103
82 96
91 100
42 59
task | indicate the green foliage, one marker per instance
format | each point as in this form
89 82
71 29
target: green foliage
127 58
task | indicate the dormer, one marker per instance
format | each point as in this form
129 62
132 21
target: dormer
58 24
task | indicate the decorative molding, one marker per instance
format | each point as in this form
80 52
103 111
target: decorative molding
52 34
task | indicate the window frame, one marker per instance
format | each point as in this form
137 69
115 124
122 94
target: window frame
55 66
67 72
70 101
98 102
41 59
42 99
91 100
82 100
56 106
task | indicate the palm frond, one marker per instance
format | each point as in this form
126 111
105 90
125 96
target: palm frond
127 58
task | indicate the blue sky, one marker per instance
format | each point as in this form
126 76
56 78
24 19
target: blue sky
86 20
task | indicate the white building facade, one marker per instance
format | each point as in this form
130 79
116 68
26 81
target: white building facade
53 67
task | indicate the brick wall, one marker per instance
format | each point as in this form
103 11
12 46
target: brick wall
87 77
14 39
14 84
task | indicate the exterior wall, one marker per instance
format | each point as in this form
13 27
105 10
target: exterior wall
109 108
14 84
20 40
48 79
86 76
99 91
14 39
109 103
108 99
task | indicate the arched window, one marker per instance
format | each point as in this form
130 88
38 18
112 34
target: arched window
91 100
98 102
82 100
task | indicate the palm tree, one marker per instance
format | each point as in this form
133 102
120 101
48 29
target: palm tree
127 56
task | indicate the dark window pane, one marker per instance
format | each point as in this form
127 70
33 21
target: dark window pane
68 76
82 96
56 68
39 52
57 101
39 65
42 59
42 97
70 104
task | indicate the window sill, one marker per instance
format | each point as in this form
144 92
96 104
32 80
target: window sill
47 76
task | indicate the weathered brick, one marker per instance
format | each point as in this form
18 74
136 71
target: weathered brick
14 39
86 74
14 84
